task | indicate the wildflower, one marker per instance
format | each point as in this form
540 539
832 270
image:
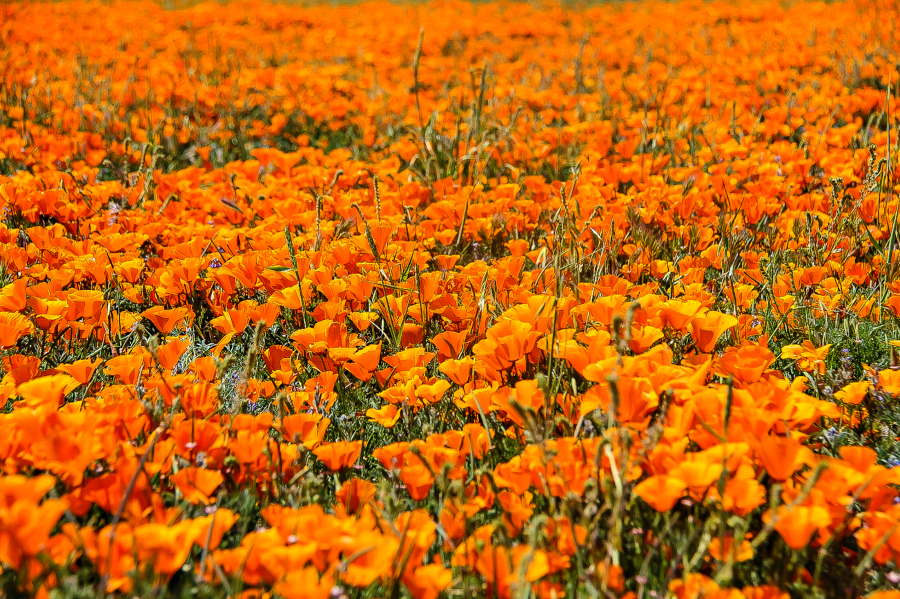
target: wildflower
853 393
339 455
708 328
661 492
808 356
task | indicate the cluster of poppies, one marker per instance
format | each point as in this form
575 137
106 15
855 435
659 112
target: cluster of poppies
449 298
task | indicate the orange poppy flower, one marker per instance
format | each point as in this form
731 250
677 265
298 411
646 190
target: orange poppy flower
428 581
698 475
742 496
308 429
339 455
722 551
799 523
26 530
165 320
809 357
387 416
450 344
861 458
12 296
853 393
459 371
644 337
197 484
47 390
354 494
125 368
746 363
81 370
709 327
304 584
13 326
677 314
363 362
170 353
418 480
165 547
661 492
779 455
247 446
84 304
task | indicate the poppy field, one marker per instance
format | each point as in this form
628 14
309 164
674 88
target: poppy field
449 299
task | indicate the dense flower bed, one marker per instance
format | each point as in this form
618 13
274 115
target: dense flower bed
449 299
